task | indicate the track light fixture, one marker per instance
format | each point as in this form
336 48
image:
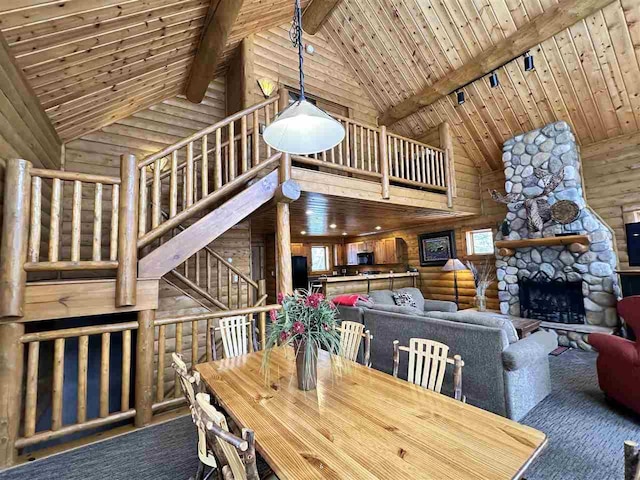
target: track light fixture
460 95
528 62
493 80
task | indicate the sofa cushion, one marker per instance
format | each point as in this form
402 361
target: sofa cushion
416 294
404 299
384 297
439 306
479 318
405 310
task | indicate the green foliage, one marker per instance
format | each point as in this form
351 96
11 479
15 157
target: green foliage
306 320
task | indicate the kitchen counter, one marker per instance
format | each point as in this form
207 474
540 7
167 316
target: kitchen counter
332 286
377 276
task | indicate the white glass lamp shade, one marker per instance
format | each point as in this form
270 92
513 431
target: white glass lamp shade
303 128
453 264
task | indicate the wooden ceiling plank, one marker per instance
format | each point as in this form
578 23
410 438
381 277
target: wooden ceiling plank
106 11
316 14
224 14
99 82
83 111
137 104
46 52
555 19
116 50
106 67
605 55
363 79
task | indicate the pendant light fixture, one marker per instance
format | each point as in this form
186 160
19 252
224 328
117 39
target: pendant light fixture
302 128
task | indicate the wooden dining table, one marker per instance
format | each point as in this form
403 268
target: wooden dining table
360 423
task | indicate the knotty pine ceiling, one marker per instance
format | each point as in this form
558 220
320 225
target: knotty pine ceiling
587 75
92 62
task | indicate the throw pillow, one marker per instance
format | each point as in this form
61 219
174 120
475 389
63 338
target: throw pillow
348 300
404 300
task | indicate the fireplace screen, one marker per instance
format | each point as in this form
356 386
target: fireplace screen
551 300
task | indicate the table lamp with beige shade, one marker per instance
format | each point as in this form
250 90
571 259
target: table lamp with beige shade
454 265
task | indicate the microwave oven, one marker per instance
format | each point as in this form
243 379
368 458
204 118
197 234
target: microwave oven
365 258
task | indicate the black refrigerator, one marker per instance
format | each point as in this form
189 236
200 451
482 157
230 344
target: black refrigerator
299 272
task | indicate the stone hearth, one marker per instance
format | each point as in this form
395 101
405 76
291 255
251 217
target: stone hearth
553 149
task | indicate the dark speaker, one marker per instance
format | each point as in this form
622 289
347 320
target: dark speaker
633 243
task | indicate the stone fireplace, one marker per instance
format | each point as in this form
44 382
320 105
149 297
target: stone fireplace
589 270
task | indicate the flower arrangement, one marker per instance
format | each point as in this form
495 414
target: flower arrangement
307 321
483 276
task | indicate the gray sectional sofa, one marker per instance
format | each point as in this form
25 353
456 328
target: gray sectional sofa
502 373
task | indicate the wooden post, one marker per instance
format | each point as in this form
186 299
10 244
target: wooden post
127 232
384 162
283 232
11 364
631 460
262 316
15 237
144 367
446 144
283 99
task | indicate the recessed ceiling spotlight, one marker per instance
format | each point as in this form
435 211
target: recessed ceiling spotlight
378 227
333 225
309 212
303 232
344 233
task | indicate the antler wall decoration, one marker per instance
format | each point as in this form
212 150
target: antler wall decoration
537 208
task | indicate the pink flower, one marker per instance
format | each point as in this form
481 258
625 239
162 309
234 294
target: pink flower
284 336
326 327
332 306
280 298
298 327
273 315
314 300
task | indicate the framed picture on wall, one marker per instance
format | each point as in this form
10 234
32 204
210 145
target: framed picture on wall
436 248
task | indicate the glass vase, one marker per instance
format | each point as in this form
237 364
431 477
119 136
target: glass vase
481 303
306 365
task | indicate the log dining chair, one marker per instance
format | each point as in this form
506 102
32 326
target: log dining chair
428 362
236 456
238 337
351 335
190 383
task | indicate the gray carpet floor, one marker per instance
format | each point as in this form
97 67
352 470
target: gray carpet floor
585 439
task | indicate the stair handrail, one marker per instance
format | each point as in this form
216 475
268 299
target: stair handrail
205 131
203 203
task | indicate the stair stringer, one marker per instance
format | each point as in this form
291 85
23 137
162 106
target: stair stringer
179 248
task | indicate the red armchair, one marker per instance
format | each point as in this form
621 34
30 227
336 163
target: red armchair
619 359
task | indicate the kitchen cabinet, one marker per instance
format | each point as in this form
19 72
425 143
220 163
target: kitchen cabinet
392 250
352 252
338 255
298 249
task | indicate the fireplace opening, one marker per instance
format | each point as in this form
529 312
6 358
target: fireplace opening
551 300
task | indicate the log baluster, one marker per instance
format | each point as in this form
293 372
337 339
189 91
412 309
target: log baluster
83 363
76 220
113 234
217 172
204 175
173 185
104 375
178 349
156 189
162 338
194 343
31 397
36 219
244 153
126 371
384 162
231 161
255 138
97 223
58 380
11 366
54 221
189 174
142 215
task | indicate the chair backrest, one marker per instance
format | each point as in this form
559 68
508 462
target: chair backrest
629 310
190 382
427 365
236 455
350 339
236 333
351 335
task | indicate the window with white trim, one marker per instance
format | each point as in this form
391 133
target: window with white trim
480 242
319 259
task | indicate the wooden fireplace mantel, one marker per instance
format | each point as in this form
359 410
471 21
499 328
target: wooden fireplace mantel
576 243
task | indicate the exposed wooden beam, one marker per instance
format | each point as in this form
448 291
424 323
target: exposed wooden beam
554 20
216 33
316 13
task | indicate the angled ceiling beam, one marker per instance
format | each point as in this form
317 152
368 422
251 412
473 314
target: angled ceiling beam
222 16
553 21
316 14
